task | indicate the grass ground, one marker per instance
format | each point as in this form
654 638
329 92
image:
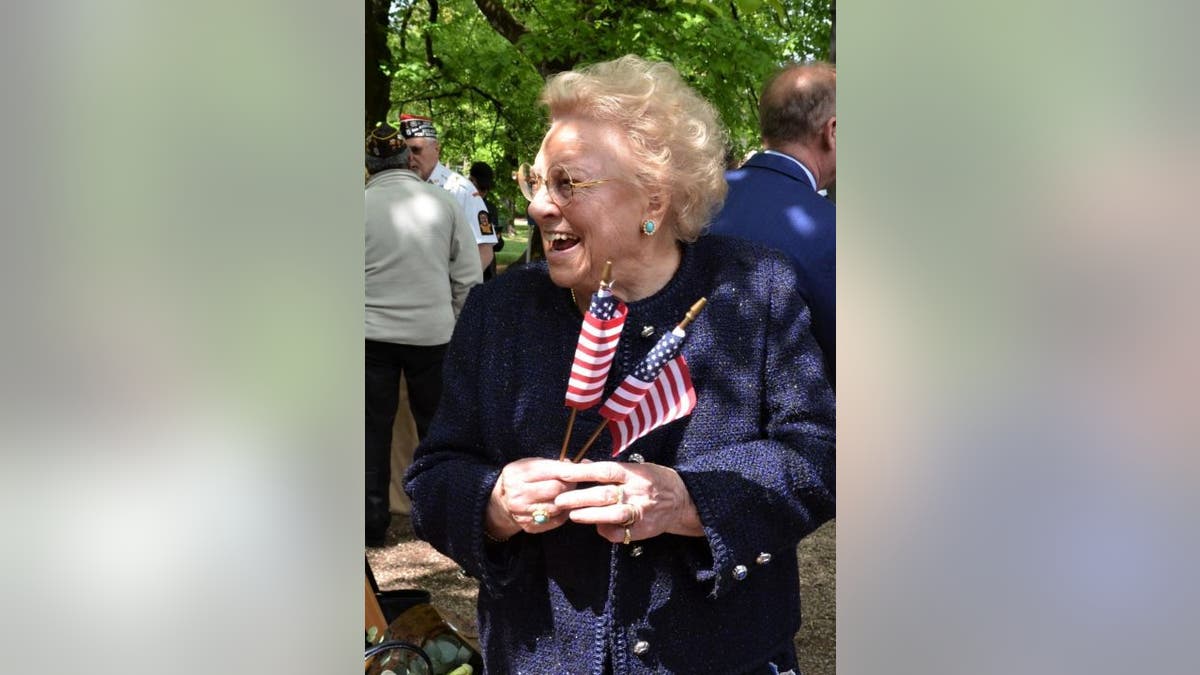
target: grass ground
514 245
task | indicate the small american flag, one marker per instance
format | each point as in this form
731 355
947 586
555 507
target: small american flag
668 398
594 352
657 392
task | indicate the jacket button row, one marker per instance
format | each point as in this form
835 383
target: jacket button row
635 551
739 572
641 647
763 558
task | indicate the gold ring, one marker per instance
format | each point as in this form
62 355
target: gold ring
628 537
632 516
540 516
620 494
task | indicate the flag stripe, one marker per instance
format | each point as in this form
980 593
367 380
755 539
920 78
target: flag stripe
590 356
581 380
591 371
601 329
597 345
595 350
670 397
583 396
624 398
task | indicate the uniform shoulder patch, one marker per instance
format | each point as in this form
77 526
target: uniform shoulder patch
485 224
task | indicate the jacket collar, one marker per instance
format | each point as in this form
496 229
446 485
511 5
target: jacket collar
391 176
784 165
439 175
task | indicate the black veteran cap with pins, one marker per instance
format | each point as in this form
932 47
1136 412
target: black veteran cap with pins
385 141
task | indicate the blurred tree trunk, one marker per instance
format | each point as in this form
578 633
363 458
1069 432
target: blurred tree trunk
378 84
833 33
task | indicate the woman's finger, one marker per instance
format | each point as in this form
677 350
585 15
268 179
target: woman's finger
599 495
625 515
533 469
596 472
519 493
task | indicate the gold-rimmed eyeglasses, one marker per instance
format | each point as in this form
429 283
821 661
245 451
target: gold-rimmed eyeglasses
559 184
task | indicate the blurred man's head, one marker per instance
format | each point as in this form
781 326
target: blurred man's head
421 136
797 116
482 176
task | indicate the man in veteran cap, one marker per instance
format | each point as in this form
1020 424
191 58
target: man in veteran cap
421 136
420 265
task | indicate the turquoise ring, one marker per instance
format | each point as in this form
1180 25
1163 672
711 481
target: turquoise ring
540 516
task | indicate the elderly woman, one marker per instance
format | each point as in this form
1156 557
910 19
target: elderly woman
680 556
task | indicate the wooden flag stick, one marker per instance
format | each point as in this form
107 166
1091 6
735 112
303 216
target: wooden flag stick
605 282
590 440
562 454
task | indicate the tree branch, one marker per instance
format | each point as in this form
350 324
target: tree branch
463 87
431 97
404 28
508 27
501 20
495 101
430 58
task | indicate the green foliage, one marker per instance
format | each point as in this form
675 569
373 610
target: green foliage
480 81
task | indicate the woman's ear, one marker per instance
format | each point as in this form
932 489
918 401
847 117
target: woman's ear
658 205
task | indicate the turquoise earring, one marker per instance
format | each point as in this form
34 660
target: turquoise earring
648 228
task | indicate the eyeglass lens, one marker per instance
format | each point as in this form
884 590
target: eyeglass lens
558 181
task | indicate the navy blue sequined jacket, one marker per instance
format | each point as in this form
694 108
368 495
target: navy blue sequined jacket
756 454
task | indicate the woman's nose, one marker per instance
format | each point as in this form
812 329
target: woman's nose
542 208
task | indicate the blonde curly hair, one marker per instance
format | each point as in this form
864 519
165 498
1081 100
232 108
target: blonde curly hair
677 140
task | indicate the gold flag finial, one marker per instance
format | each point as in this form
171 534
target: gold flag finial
693 313
606 275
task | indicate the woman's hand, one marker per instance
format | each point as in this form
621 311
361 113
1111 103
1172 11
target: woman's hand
523 498
632 501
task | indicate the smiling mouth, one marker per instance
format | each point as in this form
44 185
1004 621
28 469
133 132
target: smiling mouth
561 241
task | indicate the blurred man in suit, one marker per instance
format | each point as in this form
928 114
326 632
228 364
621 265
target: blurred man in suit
775 197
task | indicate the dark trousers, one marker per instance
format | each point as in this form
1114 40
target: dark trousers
385 363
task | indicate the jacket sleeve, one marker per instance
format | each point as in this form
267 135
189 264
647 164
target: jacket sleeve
762 495
465 271
451 478
476 212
